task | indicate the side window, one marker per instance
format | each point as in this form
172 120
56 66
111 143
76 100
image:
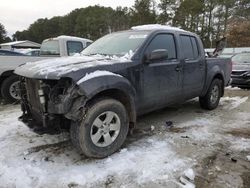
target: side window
187 48
195 47
35 53
74 47
163 41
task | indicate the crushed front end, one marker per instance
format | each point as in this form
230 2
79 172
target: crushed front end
47 104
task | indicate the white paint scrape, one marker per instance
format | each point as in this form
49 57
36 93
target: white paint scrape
155 27
95 74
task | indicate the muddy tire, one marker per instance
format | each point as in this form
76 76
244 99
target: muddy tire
9 89
102 130
212 98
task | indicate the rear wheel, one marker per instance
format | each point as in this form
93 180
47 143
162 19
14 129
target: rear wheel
10 89
102 130
212 98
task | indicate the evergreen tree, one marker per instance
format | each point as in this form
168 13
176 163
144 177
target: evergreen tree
208 18
167 8
2 34
143 12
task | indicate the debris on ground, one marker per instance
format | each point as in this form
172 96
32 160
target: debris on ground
169 124
234 159
186 183
248 157
185 136
189 173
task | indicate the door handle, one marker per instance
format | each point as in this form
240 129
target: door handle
178 69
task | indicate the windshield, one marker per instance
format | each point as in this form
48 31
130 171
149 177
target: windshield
241 58
50 48
117 44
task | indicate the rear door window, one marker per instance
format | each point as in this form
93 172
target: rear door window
163 41
189 47
74 47
195 47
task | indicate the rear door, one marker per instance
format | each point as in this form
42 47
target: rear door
193 66
162 78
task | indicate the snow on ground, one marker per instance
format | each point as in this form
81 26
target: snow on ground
232 102
233 88
242 144
149 158
157 157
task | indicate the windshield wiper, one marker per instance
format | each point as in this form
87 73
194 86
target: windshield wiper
98 54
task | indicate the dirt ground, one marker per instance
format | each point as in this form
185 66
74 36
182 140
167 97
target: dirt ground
214 145
219 164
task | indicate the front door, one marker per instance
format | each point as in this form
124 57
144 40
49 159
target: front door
162 78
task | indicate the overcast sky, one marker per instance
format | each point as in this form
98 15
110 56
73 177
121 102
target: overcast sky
19 14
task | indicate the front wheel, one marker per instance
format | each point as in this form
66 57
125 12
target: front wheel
10 90
102 130
212 98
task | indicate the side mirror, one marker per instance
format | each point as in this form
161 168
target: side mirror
158 54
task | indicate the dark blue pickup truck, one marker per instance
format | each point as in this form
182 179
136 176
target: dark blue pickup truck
99 93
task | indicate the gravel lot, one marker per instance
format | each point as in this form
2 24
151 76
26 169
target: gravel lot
201 149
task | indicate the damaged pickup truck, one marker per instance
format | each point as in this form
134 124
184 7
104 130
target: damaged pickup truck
99 94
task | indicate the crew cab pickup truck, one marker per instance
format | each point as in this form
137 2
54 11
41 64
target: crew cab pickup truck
54 47
99 94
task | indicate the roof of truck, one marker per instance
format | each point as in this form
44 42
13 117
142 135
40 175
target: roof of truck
156 27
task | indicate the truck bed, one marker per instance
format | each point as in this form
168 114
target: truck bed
218 65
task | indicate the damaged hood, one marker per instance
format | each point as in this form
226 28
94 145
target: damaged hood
69 66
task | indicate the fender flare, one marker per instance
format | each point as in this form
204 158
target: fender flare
92 87
213 73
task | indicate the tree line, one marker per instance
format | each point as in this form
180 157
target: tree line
211 19
3 34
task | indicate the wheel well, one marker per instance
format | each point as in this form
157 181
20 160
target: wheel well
123 98
220 77
5 75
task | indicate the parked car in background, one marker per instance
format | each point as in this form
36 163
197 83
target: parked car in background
61 46
10 53
33 52
29 51
241 70
99 94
